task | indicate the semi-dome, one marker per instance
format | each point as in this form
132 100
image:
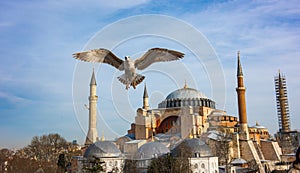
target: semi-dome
186 97
185 93
151 150
102 149
193 148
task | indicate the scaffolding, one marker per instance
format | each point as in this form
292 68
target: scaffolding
282 103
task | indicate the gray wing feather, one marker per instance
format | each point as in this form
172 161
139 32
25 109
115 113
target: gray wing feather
100 56
157 55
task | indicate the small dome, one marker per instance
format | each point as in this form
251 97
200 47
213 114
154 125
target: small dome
257 126
238 161
194 147
151 150
102 149
185 93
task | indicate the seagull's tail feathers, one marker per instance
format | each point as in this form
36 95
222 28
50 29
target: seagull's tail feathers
137 80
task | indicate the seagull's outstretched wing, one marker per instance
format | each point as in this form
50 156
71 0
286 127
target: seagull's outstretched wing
100 56
156 55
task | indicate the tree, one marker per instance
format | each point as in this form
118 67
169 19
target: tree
47 147
95 165
61 163
21 164
42 153
5 155
178 162
181 155
130 166
253 166
164 164
223 146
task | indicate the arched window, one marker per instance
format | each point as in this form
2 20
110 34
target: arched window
203 166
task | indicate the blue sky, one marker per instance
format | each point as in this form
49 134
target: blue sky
38 73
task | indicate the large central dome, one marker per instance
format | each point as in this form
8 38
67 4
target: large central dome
186 97
185 93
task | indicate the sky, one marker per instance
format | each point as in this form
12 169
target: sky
43 89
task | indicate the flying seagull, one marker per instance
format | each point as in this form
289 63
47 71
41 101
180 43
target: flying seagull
130 77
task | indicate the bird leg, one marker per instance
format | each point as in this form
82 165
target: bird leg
133 85
127 86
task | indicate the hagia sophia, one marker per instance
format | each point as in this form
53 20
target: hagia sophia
187 118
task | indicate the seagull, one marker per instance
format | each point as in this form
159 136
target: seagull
130 77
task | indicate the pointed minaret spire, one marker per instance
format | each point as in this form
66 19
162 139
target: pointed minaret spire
145 92
145 99
241 90
93 79
239 69
92 135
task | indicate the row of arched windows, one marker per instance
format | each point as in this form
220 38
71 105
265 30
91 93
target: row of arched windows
187 102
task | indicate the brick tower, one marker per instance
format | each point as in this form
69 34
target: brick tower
241 90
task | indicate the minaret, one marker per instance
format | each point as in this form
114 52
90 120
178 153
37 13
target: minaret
282 103
241 90
92 135
284 137
145 99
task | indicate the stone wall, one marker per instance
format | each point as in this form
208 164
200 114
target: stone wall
258 150
271 150
249 153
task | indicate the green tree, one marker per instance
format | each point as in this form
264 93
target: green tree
94 165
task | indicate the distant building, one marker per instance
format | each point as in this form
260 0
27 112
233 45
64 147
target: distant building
258 132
